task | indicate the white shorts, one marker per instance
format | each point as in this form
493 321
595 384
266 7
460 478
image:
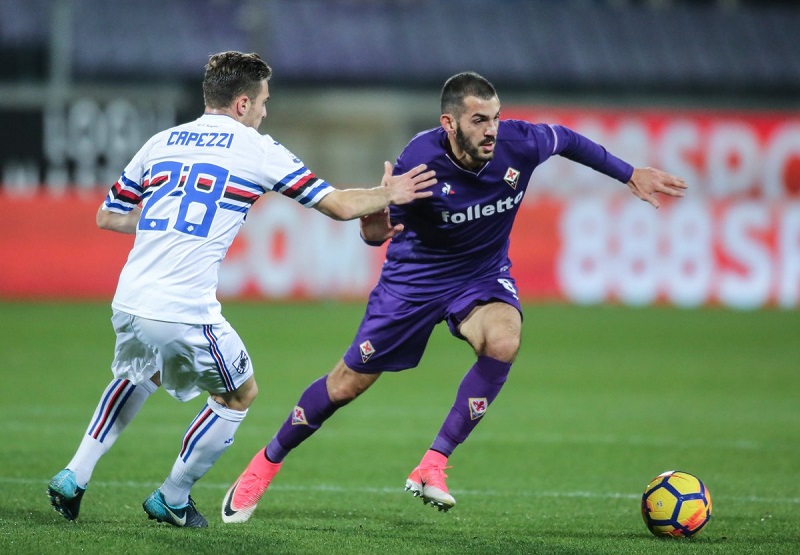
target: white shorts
191 358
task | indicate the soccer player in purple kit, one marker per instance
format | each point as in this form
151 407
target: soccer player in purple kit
447 261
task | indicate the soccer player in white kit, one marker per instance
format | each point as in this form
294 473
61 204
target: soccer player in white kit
185 195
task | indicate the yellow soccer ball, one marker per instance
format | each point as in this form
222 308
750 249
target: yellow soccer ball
677 504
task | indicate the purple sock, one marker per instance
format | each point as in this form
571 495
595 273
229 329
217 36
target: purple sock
478 389
313 408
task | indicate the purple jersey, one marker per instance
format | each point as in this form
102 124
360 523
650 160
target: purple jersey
461 233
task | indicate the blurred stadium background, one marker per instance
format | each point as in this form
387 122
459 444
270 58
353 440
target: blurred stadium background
709 90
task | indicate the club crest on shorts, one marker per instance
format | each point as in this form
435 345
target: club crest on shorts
299 417
511 177
477 407
367 350
241 363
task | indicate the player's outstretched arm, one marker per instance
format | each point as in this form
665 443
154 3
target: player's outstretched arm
349 204
646 182
121 223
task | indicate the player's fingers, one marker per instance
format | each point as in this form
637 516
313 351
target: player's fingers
652 200
417 170
418 173
425 183
643 195
671 191
420 177
424 176
670 185
678 182
393 231
664 178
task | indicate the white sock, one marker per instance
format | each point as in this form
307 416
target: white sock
118 405
208 436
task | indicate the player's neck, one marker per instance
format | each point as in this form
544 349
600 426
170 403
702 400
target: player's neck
221 112
463 159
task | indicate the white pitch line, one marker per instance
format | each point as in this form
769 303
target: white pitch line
329 488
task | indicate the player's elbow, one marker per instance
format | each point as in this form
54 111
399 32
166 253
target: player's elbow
103 219
121 223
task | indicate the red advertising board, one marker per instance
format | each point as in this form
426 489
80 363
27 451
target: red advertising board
50 247
738 253
734 240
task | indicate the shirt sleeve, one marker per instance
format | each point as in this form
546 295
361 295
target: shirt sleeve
576 147
304 187
127 192
288 176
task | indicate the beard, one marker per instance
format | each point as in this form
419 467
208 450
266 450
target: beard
473 150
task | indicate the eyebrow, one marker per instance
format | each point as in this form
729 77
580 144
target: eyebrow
485 115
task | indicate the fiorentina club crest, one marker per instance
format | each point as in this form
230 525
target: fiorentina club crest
477 407
367 350
511 177
299 417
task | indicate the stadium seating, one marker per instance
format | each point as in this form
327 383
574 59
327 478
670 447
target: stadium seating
556 45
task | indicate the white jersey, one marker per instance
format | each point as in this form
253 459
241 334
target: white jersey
196 183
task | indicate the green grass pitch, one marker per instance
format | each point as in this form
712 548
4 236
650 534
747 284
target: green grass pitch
600 400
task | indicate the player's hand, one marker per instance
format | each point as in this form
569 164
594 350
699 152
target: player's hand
409 186
646 182
377 228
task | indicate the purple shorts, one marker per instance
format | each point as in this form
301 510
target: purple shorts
394 332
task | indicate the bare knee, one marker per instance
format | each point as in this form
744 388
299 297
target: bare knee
345 384
504 347
494 330
240 398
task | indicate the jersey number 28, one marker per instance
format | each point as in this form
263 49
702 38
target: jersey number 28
204 186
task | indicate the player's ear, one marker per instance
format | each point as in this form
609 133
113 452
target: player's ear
240 104
448 123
